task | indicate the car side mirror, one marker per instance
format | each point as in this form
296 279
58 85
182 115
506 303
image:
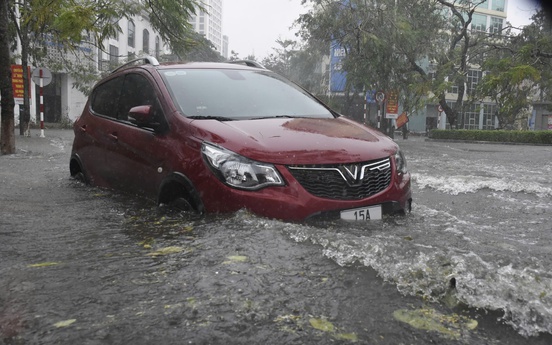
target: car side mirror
145 116
141 115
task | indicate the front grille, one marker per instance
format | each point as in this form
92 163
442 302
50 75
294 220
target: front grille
344 181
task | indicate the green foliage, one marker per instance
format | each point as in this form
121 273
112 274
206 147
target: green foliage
403 45
302 66
171 18
516 67
526 137
67 24
73 21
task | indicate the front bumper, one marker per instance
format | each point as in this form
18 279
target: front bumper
292 202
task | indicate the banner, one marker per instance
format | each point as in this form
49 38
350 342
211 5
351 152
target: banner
18 84
392 110
338 77
402 120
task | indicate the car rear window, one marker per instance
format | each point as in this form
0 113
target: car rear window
105 97
239 94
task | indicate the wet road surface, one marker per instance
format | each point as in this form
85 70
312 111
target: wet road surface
470 265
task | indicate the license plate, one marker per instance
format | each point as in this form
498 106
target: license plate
362 213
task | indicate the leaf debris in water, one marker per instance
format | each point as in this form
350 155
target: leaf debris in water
322 324
64 323
235 258
347 336
147 243
326 326
165 251
43 264
431 320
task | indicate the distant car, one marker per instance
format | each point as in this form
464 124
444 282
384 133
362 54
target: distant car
220 137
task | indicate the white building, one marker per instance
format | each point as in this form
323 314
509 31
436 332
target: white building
209 24
62 101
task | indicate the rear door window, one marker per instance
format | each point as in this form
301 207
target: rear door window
106 96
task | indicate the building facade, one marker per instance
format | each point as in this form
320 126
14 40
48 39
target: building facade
209 24
489 17
63 103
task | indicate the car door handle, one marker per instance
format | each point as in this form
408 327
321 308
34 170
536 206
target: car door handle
82 128
114 136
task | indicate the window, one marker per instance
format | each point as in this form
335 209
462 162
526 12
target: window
239 94
113 56
498 5
496 25
137 90
100 59
479 23
106 96
484 4
454 87
145 41
131 35
488 116
157 46
471 117
474 76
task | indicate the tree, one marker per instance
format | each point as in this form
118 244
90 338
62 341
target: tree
383 40
509 89
67 24
280 60
7 139
518 70
201 50
419 48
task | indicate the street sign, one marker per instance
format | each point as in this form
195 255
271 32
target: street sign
402 120
392 111
44 73
380 96
18 85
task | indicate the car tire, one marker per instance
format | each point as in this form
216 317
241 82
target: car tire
182 204
80 177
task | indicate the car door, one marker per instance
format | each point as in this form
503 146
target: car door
135 151
92 130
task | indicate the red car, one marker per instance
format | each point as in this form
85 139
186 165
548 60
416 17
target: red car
219 137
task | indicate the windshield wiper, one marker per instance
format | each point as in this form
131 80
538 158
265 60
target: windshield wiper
276 117
210 117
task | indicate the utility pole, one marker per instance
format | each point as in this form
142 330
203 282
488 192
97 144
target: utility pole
7 137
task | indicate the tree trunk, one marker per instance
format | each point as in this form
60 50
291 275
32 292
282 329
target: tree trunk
7 137
24 124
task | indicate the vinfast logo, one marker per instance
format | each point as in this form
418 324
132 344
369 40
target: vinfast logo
353 174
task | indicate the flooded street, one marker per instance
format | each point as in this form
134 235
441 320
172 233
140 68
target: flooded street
472 264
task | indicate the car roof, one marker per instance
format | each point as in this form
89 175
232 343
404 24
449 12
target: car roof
206 65
151 62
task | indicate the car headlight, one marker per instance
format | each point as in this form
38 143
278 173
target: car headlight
238 171
400 162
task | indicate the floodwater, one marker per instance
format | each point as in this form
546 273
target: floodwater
472 264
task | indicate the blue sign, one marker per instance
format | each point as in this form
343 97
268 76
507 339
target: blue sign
371 96
338 77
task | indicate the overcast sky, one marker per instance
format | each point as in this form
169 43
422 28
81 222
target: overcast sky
253 26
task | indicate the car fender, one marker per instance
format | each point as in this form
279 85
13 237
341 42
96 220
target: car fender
169 190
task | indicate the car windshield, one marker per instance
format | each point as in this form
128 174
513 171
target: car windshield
239 94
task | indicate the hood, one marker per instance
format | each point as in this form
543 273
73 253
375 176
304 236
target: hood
297 141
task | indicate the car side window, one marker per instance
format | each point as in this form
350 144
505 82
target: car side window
106 96
136 90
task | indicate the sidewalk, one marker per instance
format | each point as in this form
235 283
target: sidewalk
54 141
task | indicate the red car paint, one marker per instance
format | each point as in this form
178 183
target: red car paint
112 151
